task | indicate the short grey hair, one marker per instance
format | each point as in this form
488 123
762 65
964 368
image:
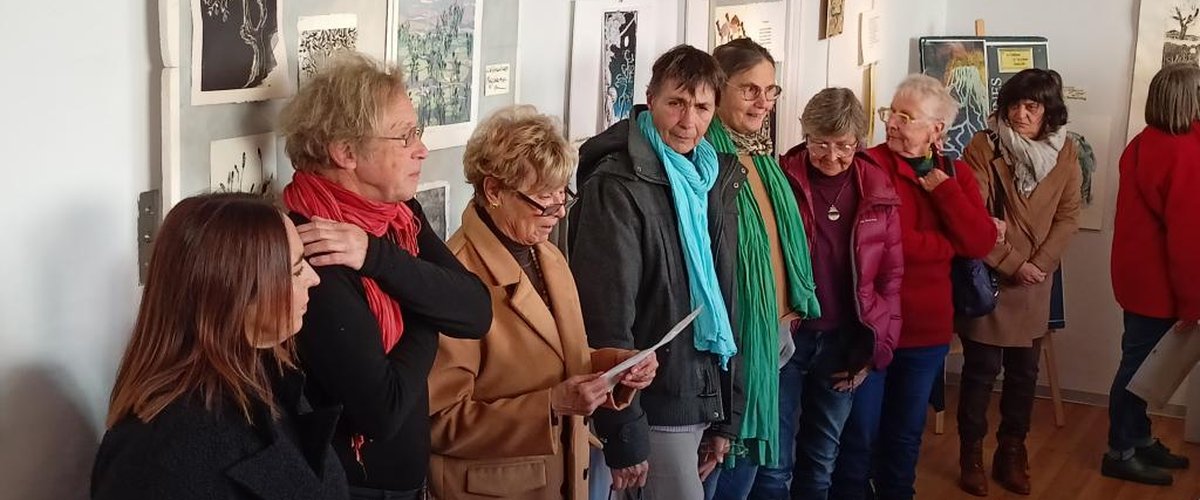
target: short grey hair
1173 100
929 91
835 111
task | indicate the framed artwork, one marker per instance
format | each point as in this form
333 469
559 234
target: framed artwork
437 44
434 198
319 38
610 63
763 22
238 52
1168 32
960 64
619 66
243 164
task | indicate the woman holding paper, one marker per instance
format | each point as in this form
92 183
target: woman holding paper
1028 172
1155 263
508 410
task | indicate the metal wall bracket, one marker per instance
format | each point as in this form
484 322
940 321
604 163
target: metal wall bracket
149 218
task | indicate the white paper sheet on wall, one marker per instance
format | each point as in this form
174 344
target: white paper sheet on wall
870 36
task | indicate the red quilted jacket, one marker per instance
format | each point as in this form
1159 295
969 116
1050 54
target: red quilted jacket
877 258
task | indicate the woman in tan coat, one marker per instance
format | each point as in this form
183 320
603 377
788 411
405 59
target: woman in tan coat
1028 172
507 411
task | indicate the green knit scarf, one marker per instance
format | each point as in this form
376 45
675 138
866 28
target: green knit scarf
758 314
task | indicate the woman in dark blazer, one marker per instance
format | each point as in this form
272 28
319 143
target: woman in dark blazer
207 403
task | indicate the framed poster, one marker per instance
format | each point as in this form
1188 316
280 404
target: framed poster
437 44
961 65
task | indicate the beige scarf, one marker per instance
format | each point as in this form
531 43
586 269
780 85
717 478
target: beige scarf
1032 160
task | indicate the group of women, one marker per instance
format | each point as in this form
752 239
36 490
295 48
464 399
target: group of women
337 348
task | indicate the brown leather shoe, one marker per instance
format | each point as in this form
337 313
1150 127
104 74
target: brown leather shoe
1010 465
970 463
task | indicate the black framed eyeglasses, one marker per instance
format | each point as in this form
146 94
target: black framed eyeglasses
753 92
406 140
569 200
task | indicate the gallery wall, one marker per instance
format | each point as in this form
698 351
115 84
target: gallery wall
79 135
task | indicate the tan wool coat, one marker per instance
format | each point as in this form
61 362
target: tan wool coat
1039 228
493 434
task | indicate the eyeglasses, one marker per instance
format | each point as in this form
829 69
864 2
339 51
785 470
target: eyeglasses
406 140
886 114
569 200
817 148
753 92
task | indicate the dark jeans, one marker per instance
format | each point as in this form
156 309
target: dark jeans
811 416
981 365
882 437
359 493
1128 425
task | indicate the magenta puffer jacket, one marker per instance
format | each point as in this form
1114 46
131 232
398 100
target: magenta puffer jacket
877 257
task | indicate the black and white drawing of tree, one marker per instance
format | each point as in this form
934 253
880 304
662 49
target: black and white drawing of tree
1184 15
238 41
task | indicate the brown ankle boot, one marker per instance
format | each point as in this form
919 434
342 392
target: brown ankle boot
1010 465
970 462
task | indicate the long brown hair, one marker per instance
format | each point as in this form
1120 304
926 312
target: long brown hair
221 264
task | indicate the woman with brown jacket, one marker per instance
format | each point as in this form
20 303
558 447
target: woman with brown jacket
1028 172
508 411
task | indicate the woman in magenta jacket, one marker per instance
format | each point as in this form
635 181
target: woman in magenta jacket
1155 261
941 216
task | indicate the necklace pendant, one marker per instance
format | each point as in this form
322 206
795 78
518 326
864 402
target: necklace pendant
833 214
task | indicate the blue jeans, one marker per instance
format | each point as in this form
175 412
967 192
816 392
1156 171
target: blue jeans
882 438
812 413
1128 425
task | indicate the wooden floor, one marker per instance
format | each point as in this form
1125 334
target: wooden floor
1064 463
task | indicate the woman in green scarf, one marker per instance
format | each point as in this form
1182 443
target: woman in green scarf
774 279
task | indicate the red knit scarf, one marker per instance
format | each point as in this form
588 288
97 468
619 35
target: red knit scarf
314 196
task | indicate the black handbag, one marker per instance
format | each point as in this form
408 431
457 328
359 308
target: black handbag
975 286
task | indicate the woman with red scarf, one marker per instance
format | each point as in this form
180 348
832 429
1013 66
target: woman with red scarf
388 283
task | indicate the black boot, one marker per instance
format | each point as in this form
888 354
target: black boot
1135 470
1159 455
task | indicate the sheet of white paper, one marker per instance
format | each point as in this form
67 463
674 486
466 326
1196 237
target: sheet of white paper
613 373
1168 364
497 81
870 36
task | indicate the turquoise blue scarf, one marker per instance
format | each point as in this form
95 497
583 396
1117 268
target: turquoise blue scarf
690 183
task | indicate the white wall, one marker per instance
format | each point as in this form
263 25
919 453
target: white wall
79 137
1097 56
834 62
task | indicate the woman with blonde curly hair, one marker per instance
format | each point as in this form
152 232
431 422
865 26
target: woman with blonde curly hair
508 411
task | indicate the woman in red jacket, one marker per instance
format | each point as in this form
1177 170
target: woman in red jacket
1155 260
941 216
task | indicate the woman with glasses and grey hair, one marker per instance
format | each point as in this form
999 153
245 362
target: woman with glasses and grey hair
852 214
508 411
941 216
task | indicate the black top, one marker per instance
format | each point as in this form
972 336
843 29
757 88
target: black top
525 256
190 452
386 396
629 268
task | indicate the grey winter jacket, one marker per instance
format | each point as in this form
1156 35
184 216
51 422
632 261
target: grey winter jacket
628 264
